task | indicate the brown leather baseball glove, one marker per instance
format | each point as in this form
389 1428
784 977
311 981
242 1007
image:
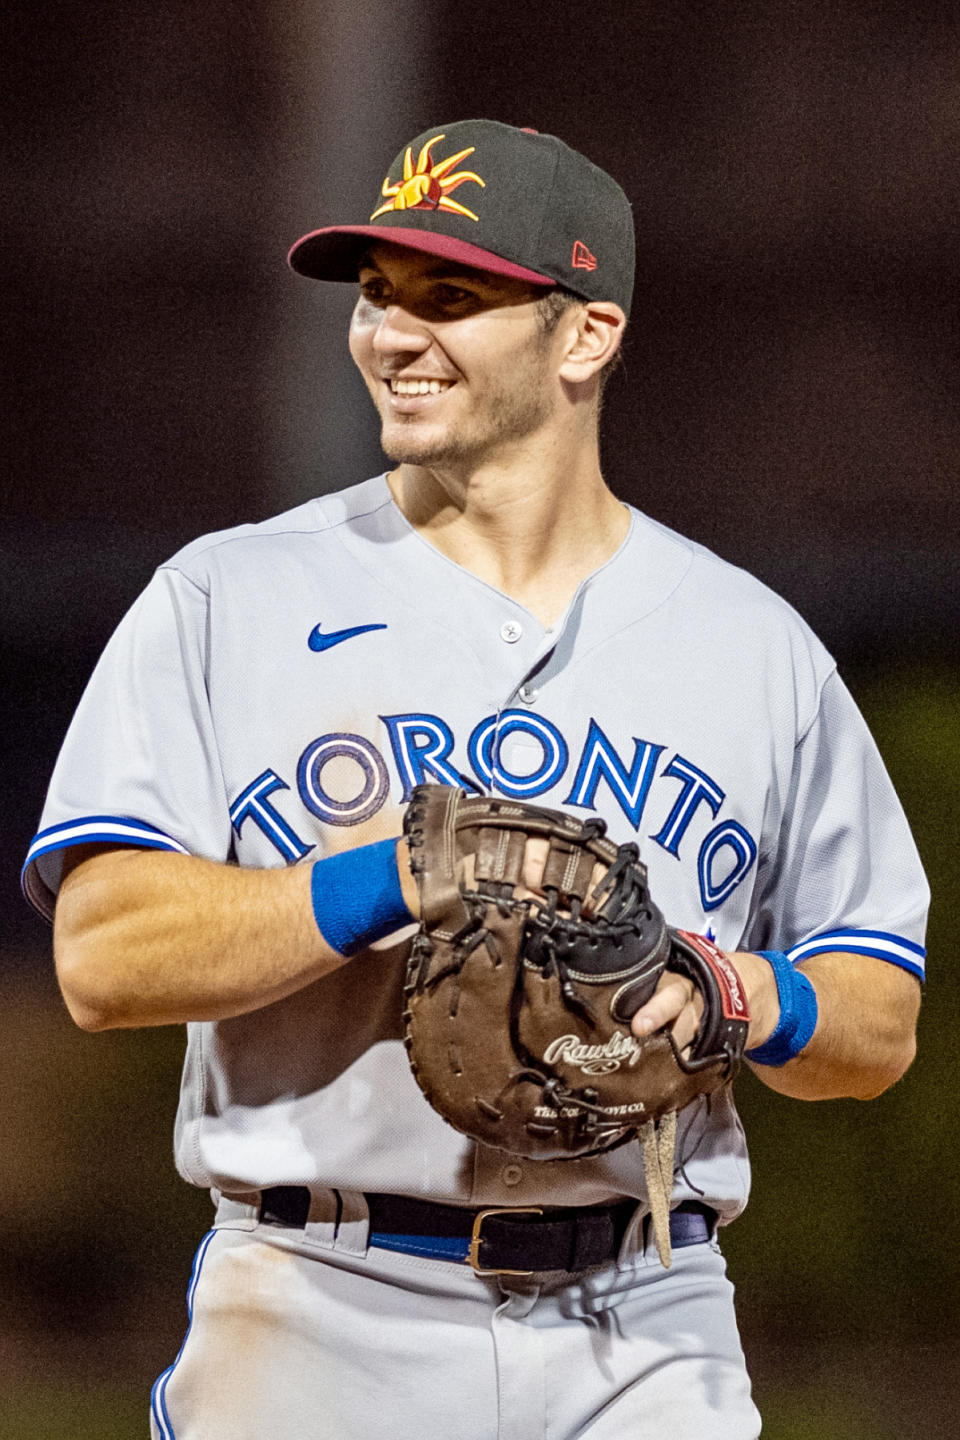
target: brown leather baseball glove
518 1005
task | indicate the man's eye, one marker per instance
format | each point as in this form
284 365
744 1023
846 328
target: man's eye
454 295
374 292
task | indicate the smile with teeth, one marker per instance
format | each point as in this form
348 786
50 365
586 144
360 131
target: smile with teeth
419 387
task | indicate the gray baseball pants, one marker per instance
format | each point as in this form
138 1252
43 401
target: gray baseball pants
306 1335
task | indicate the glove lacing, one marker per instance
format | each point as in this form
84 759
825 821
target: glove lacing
659 1143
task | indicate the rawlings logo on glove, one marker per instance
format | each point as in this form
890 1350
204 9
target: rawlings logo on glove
595 1059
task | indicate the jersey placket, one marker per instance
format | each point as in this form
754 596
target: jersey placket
517 733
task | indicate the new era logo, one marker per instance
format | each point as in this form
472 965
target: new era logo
582 259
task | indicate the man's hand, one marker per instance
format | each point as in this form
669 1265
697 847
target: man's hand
677 1003
865 1036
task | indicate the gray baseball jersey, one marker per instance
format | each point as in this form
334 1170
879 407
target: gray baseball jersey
277 691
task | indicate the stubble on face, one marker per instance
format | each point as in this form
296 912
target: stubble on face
501 409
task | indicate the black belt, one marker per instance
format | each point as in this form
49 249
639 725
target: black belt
497 1239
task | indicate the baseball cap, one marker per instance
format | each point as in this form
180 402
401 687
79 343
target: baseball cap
497 198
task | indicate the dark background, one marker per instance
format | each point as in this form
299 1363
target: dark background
789 399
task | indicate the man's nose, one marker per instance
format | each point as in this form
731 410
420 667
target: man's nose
399 330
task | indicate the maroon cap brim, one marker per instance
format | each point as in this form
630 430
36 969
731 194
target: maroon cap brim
333 253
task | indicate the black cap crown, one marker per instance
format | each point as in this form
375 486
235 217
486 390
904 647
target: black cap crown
491 196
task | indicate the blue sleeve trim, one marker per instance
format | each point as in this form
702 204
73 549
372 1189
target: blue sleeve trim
881 944
100 827
89 829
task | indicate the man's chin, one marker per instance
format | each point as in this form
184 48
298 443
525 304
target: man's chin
417 450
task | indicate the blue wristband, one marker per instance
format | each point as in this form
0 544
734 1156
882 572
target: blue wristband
357 897
798 1013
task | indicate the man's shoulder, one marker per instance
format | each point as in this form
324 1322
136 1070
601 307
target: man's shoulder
736 616
723 581
323 515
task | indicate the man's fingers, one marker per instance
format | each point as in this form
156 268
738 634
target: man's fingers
664 1006
534 860
677 1003
599 871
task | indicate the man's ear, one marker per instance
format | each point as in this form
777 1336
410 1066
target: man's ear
593 339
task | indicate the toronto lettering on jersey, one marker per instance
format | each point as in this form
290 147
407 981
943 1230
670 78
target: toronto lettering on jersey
422 748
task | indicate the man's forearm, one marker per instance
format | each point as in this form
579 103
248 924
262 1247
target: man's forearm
145 937
865 1035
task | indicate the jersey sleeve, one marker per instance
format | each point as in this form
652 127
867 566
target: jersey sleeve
844 872
139 764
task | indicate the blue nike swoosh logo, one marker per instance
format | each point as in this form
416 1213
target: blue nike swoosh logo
325 640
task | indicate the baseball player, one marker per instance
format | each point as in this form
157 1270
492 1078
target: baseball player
221 847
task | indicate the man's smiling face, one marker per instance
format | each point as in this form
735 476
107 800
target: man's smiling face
456 360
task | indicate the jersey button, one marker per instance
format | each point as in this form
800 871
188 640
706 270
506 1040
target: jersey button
527 694
510 631
511 1174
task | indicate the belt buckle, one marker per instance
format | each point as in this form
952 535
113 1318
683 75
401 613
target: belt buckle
473 1254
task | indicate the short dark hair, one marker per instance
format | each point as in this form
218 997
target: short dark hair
552 305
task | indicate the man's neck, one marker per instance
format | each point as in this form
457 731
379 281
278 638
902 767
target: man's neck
533 531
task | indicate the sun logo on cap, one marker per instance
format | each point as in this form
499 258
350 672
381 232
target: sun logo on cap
426 186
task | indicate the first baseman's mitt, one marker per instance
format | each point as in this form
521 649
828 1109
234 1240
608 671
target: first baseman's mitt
518 1009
